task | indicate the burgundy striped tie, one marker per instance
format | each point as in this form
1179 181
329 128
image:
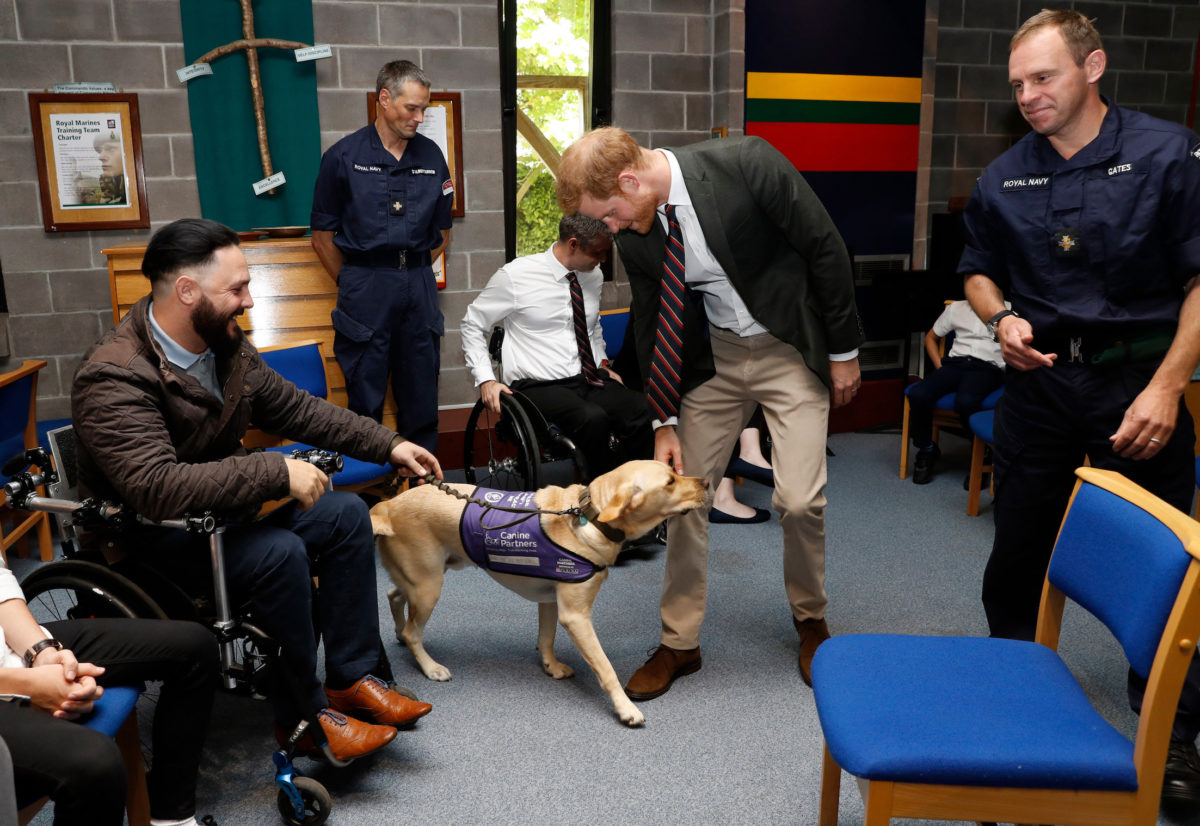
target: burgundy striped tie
663 386
587 361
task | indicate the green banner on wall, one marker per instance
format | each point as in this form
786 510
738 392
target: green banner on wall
224 129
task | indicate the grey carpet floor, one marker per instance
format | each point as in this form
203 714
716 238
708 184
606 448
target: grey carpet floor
738 742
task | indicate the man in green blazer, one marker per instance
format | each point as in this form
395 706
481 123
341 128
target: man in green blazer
767 317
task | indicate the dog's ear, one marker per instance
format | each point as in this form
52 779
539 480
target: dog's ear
381 523
627 498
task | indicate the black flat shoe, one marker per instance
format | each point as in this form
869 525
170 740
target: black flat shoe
762 475
719 517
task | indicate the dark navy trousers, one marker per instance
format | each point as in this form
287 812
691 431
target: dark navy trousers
969 379
270 565
1048 420
387 323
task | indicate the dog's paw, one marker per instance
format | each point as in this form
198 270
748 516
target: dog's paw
557 670
438 672
631 716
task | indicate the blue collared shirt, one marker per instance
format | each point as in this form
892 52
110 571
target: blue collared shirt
200 366
373 202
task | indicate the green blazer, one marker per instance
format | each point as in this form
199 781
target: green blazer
774 240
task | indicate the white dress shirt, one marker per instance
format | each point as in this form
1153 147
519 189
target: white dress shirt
530 296
971 336
703 273
9 589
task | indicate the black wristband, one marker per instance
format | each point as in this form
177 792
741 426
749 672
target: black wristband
994 320
40 646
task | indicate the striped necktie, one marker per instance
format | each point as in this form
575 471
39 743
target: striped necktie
663 386
587 361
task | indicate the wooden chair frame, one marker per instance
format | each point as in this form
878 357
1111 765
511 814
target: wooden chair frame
978 468
885 800
27 521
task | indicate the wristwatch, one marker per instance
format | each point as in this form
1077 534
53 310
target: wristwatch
994 320
40 646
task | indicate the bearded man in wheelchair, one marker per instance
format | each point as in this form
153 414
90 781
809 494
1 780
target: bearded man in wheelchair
160 406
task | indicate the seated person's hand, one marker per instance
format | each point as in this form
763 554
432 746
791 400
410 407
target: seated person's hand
51 691
490 392
306 483
410 457
612 374
59 656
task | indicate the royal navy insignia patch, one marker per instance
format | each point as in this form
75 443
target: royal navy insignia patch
1068 242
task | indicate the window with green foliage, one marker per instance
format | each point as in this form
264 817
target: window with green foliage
554 66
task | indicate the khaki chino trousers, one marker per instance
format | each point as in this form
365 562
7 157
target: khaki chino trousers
758 369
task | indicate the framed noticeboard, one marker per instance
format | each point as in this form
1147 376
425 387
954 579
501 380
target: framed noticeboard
443 125
89 161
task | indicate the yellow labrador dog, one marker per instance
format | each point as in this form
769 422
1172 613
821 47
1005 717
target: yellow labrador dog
424 531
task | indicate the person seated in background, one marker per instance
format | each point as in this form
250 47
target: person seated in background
972 369
53 675
748 462
554 351
160 406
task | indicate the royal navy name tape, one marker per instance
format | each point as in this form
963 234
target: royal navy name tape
269 183
1030 182
313 52
195 70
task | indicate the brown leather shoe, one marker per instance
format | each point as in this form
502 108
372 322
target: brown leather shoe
664 666
346 738
812 633
372 699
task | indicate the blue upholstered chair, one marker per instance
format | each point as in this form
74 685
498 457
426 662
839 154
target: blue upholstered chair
115 714
613 324
943 416
982 729
18 432
981 425
303 364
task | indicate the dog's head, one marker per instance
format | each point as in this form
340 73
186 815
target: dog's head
636 496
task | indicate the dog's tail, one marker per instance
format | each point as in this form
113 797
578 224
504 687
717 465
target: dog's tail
381 522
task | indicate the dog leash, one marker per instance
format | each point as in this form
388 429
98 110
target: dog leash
586 511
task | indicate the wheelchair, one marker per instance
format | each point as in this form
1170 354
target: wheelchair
81 586
508 451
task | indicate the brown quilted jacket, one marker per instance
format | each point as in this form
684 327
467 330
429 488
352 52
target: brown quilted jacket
151 436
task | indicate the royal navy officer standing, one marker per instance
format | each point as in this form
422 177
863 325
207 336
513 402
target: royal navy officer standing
1090 225
381 212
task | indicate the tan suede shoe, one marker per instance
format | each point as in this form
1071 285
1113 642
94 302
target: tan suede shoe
371 698
663 668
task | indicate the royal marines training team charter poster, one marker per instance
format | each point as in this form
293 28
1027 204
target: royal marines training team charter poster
89 158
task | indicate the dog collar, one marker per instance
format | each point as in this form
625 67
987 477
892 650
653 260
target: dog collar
588 512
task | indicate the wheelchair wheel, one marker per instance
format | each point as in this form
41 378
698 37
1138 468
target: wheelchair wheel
501 452
317 802
74 589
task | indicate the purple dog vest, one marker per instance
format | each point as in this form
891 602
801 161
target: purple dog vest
495 543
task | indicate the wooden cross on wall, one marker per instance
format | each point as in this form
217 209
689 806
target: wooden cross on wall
251 44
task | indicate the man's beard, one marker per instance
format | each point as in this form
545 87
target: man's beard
213 328
645 212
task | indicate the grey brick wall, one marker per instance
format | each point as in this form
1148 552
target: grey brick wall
57 284
678 71
1150 45
678 68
